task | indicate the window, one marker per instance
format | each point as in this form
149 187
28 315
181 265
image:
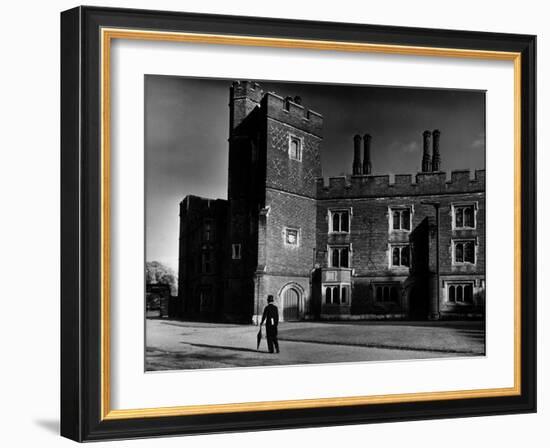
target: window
464 216
464 252
291 237
339 257
460 293
236 251
337 294
295 148
206 261
339 221
208 231
400 219
387 292
400 256
206 299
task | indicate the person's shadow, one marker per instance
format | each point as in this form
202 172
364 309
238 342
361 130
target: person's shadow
48 425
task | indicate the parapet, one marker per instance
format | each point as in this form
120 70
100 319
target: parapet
360 186
197 204
247 89
288 111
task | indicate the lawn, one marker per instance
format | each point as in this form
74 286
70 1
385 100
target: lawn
465 338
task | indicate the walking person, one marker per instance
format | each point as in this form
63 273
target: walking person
271 319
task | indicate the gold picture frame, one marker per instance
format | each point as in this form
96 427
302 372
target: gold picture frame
106 31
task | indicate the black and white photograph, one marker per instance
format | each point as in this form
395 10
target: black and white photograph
275 224
301 223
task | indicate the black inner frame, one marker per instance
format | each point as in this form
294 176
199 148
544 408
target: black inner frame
80 224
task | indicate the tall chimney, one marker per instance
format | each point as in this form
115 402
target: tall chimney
357 154
436 158
426 157
366 154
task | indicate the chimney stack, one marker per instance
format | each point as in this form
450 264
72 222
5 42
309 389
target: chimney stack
356 154
436 158
426 157
366 154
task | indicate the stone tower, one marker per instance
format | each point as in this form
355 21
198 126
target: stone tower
247 141
274 161
287 223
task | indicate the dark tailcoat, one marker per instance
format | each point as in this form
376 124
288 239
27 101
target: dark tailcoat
271 319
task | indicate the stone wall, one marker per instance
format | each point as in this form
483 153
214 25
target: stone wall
195 214
284 173
370 239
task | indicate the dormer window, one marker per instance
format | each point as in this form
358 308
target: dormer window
295 148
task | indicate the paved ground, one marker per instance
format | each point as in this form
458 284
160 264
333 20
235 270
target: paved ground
176 345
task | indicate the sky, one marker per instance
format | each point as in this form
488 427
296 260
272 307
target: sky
187 127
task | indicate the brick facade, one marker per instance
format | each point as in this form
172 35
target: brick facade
359 247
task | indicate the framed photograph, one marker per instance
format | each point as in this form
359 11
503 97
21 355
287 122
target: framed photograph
276 224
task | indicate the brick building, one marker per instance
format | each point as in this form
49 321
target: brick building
361 247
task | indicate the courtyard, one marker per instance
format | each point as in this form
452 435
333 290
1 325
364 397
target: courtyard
179 345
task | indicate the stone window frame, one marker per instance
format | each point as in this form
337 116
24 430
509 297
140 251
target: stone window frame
391 247
462 284
332 247
206 299
341 287
298 236
294 137
207 259
236 251
331 212
396 286
454 242
394 208
455 205
208 230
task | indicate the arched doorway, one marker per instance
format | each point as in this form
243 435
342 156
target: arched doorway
291 299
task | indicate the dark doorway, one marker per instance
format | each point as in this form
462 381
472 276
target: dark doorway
419 301
291 302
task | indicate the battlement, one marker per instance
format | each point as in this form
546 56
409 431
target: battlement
247 89
359 186
288 111
246 95
195 204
